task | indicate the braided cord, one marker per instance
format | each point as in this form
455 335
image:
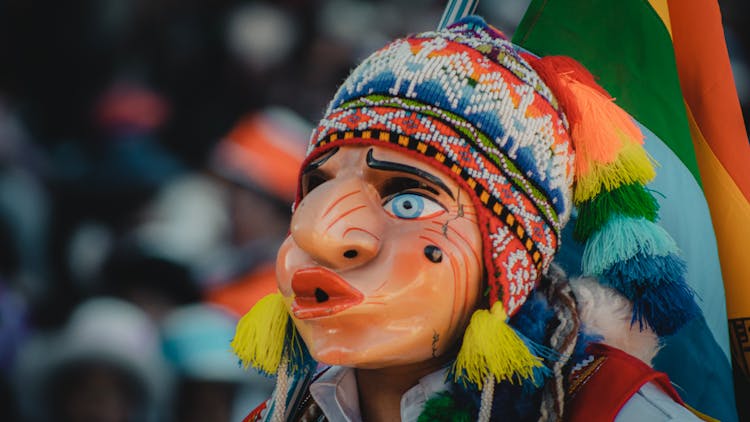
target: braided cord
282 391
563 340
488 392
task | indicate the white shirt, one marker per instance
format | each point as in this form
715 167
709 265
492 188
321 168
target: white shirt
335 391
651 403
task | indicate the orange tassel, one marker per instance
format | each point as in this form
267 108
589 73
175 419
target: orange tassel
598 127
607 142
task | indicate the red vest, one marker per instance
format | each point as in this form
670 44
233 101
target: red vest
600 388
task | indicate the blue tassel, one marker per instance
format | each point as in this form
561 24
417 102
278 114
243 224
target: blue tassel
643 272
530 323
582 342
540 373
300 360
656 286
622 238
516 403
531 320
666 309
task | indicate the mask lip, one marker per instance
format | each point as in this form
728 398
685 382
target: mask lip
320 293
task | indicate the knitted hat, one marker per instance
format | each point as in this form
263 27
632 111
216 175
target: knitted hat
466 101
527 138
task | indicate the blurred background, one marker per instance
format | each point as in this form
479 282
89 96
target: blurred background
148 156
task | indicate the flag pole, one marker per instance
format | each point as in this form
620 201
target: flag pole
455 10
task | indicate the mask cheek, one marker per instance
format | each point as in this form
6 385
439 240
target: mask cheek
461 271
289 257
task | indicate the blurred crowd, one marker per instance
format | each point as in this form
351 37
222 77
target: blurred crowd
148 159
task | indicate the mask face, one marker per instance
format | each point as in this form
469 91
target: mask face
383 265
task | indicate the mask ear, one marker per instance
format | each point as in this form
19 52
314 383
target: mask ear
624 247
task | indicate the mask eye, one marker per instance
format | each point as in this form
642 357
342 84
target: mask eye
312 180
412 206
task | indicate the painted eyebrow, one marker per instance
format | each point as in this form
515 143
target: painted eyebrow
320 161
376 164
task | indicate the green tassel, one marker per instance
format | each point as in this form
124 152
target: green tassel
443 408
632 200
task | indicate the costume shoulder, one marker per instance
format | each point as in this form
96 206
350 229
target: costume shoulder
611 385
651 403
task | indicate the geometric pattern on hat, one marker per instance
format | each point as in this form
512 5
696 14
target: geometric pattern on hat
464 100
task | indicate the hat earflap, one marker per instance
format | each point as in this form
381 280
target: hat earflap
265 334
624 247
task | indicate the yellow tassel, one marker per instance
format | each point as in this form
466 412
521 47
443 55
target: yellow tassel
492 347
259 336
632 165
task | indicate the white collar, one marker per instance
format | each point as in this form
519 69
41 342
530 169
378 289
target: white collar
336 394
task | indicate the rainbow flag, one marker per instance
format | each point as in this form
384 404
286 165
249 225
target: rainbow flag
666 63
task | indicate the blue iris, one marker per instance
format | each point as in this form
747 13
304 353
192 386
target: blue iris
407 205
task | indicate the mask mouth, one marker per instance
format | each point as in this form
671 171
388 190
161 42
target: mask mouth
319 292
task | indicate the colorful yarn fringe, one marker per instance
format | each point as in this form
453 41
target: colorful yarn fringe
625 248
622 238
260 335
659 285
630 200
491 347
511 402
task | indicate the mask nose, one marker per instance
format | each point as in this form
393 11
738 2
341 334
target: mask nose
338 224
